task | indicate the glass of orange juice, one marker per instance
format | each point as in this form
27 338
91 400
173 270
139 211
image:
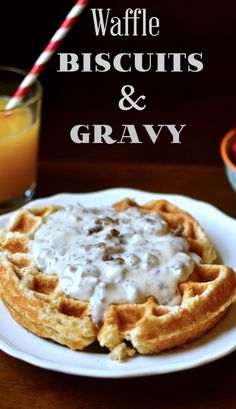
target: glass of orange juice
19 139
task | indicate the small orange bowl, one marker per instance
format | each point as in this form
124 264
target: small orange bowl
230 167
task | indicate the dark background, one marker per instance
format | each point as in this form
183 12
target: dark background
205 101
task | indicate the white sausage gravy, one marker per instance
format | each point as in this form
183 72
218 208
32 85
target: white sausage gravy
106 257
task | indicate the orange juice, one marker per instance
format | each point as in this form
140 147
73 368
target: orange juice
18 151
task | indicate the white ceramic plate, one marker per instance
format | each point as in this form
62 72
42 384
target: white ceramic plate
17 342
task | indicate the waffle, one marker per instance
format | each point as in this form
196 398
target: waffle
36 301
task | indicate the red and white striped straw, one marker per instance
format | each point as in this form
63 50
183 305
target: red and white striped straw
47 53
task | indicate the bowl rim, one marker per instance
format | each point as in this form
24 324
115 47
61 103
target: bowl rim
223 149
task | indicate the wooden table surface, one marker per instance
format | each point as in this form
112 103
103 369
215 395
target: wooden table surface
24 386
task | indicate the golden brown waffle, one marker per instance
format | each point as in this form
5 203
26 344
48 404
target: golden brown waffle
36 301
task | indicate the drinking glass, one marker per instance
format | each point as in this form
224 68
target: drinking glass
19 139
